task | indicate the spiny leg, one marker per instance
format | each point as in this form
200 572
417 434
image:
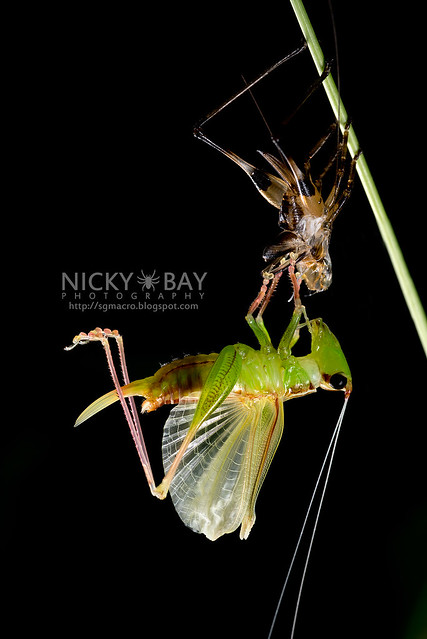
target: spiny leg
272 288
261 301
257 324
342 199
340 157
316 149
259 298
99 335
296 283
320 143
341 160
269 285
198 127
316 84
332 160
291 334
312 88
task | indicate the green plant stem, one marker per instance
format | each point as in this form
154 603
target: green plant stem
392 245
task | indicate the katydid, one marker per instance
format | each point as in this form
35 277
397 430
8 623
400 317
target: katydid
222 434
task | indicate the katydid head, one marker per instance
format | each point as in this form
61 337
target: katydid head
326 351
325 366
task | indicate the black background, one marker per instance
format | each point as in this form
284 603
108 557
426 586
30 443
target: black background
113 181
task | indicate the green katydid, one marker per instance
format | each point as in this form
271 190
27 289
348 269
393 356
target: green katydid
220 438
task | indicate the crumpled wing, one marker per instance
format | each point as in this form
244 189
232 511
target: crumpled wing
218 480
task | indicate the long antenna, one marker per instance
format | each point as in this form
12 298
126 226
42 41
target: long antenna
329 455
335 440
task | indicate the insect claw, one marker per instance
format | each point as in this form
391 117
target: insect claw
81 338
327 69
97 334
74 343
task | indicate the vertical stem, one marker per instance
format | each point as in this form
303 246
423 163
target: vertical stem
409 291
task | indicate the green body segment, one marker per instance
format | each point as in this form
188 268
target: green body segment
220 439
168 385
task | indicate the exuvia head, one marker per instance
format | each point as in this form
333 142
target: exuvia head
317 273
316 266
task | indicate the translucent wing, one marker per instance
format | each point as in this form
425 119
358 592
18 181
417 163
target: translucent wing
217 482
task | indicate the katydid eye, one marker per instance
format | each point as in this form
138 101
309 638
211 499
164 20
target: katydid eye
338 381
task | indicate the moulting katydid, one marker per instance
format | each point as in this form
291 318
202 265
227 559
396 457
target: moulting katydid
228 416
220 438
228 409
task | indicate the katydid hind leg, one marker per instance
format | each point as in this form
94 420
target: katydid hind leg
259 298
310 91
248 86
270 292
345 194
132 417
135 424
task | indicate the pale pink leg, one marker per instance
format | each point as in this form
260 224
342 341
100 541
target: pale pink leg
257 301
132 419
296 283
267 298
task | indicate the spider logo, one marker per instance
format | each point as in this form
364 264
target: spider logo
148 281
